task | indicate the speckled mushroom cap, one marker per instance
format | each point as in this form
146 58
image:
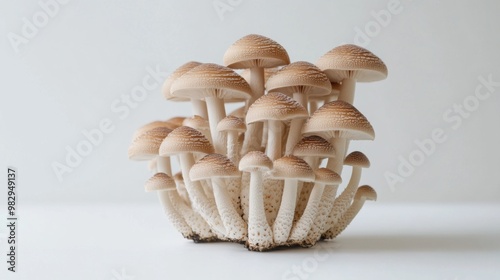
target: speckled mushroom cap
255 51
231 123
176 74
255 161
314 146
300 77
177 121
152 125
213 166
351 61
339 119
196 122
275 106
146 146
327 176
240 112
210 79
159 182
292 167
357 158
185 140
366 192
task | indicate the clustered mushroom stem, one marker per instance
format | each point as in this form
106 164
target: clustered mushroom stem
302 227
200 202
347 90
294 135
259 231
283 223
234 224
275 131
216 112
336 163
233 149
175 218
325 206
253 135
163 165
199 108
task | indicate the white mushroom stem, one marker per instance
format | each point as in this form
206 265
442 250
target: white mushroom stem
313 106
302 227
336 163
295 133
216 112
347 89
324 208
253 135
343 202
174 216
275 131
233 147
260 236
205 207
234 224
346 218
199 108
163 165
284 220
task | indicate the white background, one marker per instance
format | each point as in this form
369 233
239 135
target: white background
67 76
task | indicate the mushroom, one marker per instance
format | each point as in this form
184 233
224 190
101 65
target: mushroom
314 101
291 169
163 184
176 121
217 168
184 142
214 83
199 105
146 147
362 194
349 64
199 123
232 126
358 161
323 176
275 108
260 236
255 52
152 125
300 80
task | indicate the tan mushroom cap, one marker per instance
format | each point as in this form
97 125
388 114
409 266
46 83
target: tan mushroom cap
185 140
240 112
255 161
366 192
327 176
178 176
196 122
351 61
292 167
300 77
357 158
255 51
177 121
210 79
160 182
275 106
213 166
339 119
146 146
314 146
181 70
152 125
231 123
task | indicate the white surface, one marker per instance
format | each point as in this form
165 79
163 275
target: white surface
91 53
447 242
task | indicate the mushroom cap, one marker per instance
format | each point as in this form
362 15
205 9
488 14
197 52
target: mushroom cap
240 112
176 121
213 166
178 176
275 106
327 176
255 51
357 158
185 140
314 146
147 145
196 122
366 192
351 61
160 182
231 123
339 119
300 77
292 167
210 79
152 125
181 70
255 161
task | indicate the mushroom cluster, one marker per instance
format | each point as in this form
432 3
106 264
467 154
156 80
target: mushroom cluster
267 174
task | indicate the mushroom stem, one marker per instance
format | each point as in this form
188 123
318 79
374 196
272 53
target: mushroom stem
233 149
234 224
336 163
325 206
260 236
295 133
175 218
253 135
199 108
302 227
275 131
313 106
216 112
163 165
284 220
200 202
347 90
